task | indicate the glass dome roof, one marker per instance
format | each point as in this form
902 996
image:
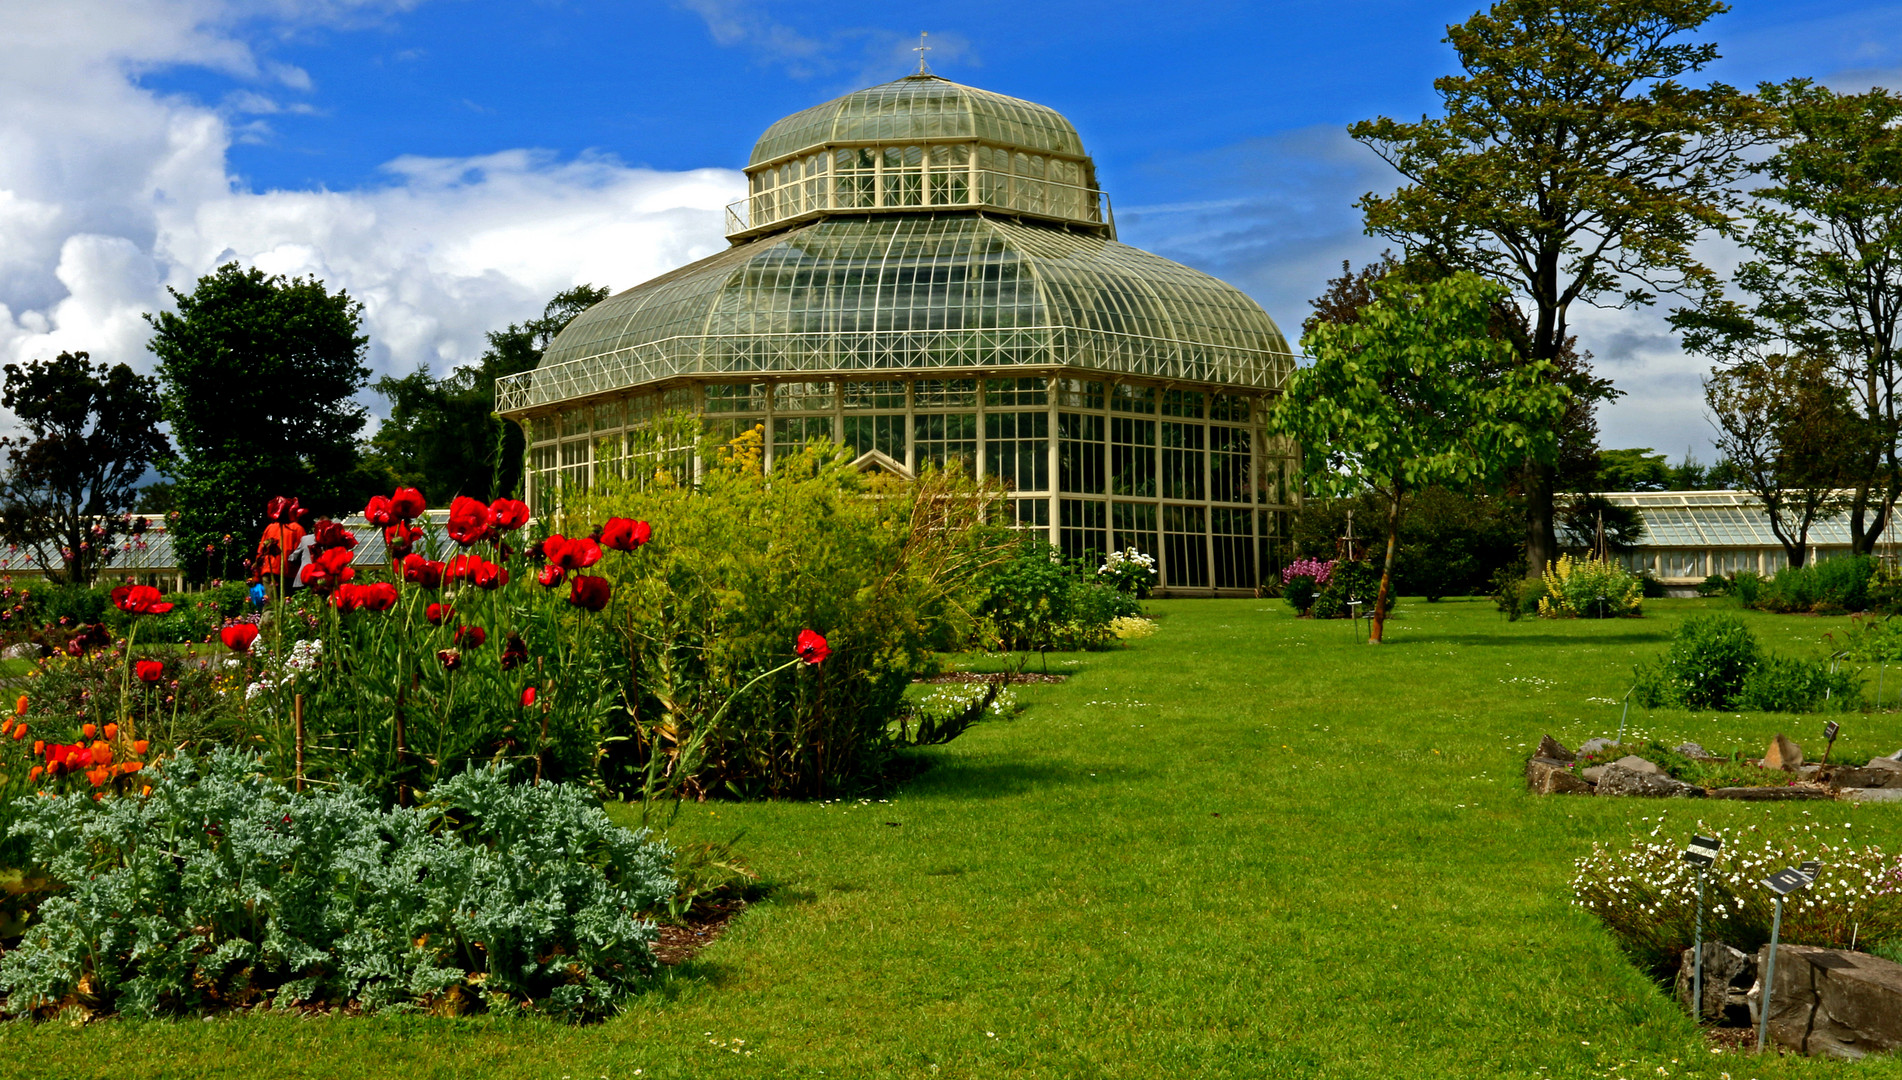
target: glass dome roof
914 292
921 107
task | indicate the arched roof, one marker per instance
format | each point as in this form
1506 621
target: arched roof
915 293
921 107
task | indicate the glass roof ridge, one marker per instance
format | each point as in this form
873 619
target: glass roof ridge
920 107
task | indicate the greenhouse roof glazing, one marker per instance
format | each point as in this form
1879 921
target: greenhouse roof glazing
915 291
1706 519
920 107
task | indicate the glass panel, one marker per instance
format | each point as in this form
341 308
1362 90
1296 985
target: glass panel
1181 460
947 439
1182 403
574 421
736 397
1230 407
1134 527
792 432
1271 540
607 415
1080 453
574 464
1132 456
1029 513
1136 399
1234 564
802 397
1017 449
945 393
1078 394
679 399
728 428
1185 547
875 395
1009 393
886 434
1080 532
1228 464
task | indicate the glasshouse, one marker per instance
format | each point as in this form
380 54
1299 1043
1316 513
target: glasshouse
927 273
1689 535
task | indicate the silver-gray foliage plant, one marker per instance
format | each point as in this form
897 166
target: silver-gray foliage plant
222 888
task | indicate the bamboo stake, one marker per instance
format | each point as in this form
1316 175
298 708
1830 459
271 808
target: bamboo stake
297 717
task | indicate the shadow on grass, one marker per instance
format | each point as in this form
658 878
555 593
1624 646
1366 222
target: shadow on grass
962 778
1661 636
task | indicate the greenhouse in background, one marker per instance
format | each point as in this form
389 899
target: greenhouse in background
1690 535
927 274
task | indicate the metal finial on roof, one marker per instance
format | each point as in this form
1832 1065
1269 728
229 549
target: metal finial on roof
921 50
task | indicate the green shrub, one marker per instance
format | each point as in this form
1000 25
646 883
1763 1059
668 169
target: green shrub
1650 587
1885 591
1039 600
1589 589
1828 587
1705 667
1350 580
223 889
1868 639
1748 585
1786 684
1714 585
77 604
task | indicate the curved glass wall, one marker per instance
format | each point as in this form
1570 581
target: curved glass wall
920 107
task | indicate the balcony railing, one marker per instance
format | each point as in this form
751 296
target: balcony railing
914 190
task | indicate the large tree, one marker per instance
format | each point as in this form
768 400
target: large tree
260 375
92 431
1417 390
1785 422
1568 164
442 435
1823 276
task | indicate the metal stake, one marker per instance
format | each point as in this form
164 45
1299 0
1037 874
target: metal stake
1624 715
1769 978
1697 962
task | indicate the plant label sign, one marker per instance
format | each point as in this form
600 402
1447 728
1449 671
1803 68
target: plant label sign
1809 869
1702 850
1829 731
1785 882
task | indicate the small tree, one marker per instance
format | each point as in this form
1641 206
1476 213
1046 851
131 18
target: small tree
1786 424
1416 391
92 430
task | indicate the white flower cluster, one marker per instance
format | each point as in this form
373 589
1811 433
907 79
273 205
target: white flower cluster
953 698
1647 894
305 656
1117 560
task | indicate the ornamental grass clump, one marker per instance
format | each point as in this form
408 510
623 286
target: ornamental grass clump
1646 895
220 888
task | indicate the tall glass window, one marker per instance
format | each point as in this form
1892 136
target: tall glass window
736 397
1081 528
1080 453
946 439
1185 532
886 434
1181 460
1134 526
1229 536
1017 449
1228 464
1132 456
792 432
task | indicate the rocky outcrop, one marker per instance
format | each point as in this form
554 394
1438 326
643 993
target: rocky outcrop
1728 975
1782 754
1553 750
1831 1001
1545 776
1618 780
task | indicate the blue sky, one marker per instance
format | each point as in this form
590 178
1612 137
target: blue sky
455 161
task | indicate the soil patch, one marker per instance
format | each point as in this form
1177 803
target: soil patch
1731 1038
679 943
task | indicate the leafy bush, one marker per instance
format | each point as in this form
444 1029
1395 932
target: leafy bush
1451 544
1828 587
1302 581
1714 585
1348 581
1705 667
1748 585
1039 600
1647 895
1787 684
1868 638
1652 588
222 888
1589 589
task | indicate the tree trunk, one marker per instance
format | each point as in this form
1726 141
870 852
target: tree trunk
1542 540
1386 571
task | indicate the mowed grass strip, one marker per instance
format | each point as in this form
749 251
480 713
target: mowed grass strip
1247 846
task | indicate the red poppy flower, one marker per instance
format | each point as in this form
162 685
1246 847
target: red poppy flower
282 509
378 511
139 600
461 568
407 503
239 636
400 539
528 697
377 596
436 613
508 514
468 520
811 647
329 534
490 576
514 652
149 671
328 570
578 553
588 591
451 659
625 534
347 598
471 637
422 571
550 576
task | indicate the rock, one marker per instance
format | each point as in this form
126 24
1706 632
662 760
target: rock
1553 750
29 650
1638 764
1692 750
1593 773
1872 794
1545 776
1769 794
1888 763
1783 754
1832 1002
1807 772
1847 777
1593 746
1618 780
1728 974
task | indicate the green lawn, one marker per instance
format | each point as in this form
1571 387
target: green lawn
1246 846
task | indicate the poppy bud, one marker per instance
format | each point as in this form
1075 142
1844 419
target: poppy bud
528 697
436 613
20 732
451 659
33 774
19 707
87 730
